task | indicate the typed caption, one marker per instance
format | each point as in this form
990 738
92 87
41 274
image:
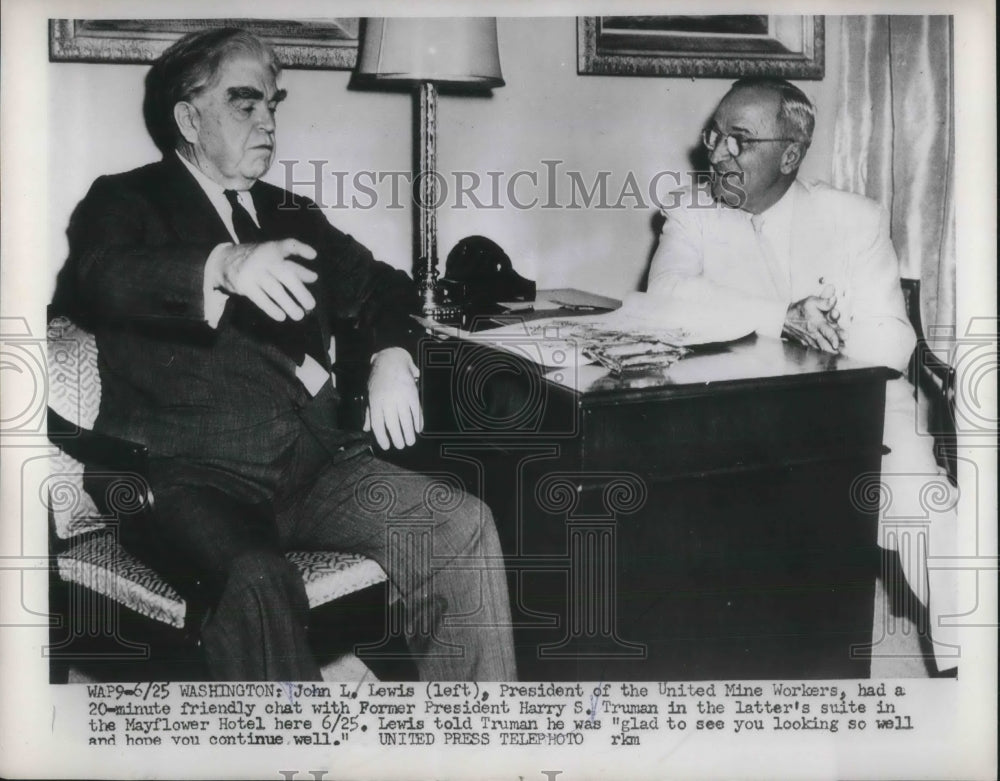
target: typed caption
469 714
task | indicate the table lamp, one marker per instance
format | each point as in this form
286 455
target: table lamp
422 54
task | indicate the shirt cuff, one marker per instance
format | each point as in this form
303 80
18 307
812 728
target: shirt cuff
215 299
378 352
770 319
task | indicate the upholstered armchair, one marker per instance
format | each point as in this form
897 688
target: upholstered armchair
110 606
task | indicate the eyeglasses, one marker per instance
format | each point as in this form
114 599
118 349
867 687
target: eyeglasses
735 144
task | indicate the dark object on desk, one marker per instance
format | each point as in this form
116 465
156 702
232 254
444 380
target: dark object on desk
479 272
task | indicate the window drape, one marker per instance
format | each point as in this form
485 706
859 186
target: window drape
894 141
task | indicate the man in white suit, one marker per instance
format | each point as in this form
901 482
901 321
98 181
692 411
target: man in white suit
810 263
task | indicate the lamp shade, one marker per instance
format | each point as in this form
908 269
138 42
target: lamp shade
459 51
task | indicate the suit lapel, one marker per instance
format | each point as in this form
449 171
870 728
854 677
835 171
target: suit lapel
810 242
191 213
313 332
267 213
777 276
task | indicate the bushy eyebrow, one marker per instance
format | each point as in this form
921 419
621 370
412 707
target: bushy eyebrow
252 93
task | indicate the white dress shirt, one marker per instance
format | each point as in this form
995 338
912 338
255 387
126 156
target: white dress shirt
310 373
215 299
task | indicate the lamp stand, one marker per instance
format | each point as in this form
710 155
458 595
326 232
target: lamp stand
434 300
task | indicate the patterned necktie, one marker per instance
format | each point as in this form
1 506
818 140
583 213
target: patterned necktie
302 338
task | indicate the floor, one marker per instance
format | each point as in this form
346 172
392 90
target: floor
345 668
899 651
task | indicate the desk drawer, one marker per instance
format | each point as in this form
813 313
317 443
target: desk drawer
734 429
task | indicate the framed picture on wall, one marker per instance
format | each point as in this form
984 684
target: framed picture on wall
709 46
327 44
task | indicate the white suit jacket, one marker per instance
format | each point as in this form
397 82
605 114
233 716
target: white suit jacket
710 255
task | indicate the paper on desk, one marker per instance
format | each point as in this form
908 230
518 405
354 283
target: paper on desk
566 342
680 323
641 319
542 346
538 305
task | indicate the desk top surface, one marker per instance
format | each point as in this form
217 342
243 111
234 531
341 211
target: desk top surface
749 361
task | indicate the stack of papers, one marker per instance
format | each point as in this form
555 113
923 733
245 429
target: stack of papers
622 352
641 334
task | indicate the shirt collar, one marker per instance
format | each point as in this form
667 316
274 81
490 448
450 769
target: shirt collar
216 194
778 217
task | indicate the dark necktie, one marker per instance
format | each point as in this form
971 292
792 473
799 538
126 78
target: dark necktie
297 339
244 226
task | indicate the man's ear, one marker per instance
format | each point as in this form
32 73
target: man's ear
187 119
791 158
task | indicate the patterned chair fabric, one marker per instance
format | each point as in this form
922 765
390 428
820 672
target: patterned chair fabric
75 394
93 557
100 564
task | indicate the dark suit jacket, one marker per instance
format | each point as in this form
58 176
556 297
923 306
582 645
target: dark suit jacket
138 246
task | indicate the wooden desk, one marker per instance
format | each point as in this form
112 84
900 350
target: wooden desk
710 521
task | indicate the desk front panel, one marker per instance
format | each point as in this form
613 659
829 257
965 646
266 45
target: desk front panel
693 531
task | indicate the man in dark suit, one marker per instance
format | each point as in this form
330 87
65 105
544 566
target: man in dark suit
212 296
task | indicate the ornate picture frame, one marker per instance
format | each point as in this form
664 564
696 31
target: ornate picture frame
320 44
720 46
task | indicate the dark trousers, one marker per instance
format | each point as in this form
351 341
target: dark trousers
220 539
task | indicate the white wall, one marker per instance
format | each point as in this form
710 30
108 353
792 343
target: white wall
545 112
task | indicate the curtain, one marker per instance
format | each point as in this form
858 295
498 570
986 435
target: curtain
894 141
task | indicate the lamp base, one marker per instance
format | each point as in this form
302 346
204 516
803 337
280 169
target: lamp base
435 302
444 312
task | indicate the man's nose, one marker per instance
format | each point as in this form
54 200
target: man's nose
720 153
265 119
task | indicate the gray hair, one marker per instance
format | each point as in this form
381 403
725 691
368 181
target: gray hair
187 68
795 111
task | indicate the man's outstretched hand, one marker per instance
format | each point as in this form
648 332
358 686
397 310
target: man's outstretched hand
264 274
393 415
813 321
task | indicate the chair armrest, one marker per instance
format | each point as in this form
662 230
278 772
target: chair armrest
94 449
936 379
115 471
927 358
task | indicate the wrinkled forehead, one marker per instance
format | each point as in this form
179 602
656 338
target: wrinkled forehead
752 109
243 69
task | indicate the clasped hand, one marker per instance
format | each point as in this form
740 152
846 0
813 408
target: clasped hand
264 274
814 322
